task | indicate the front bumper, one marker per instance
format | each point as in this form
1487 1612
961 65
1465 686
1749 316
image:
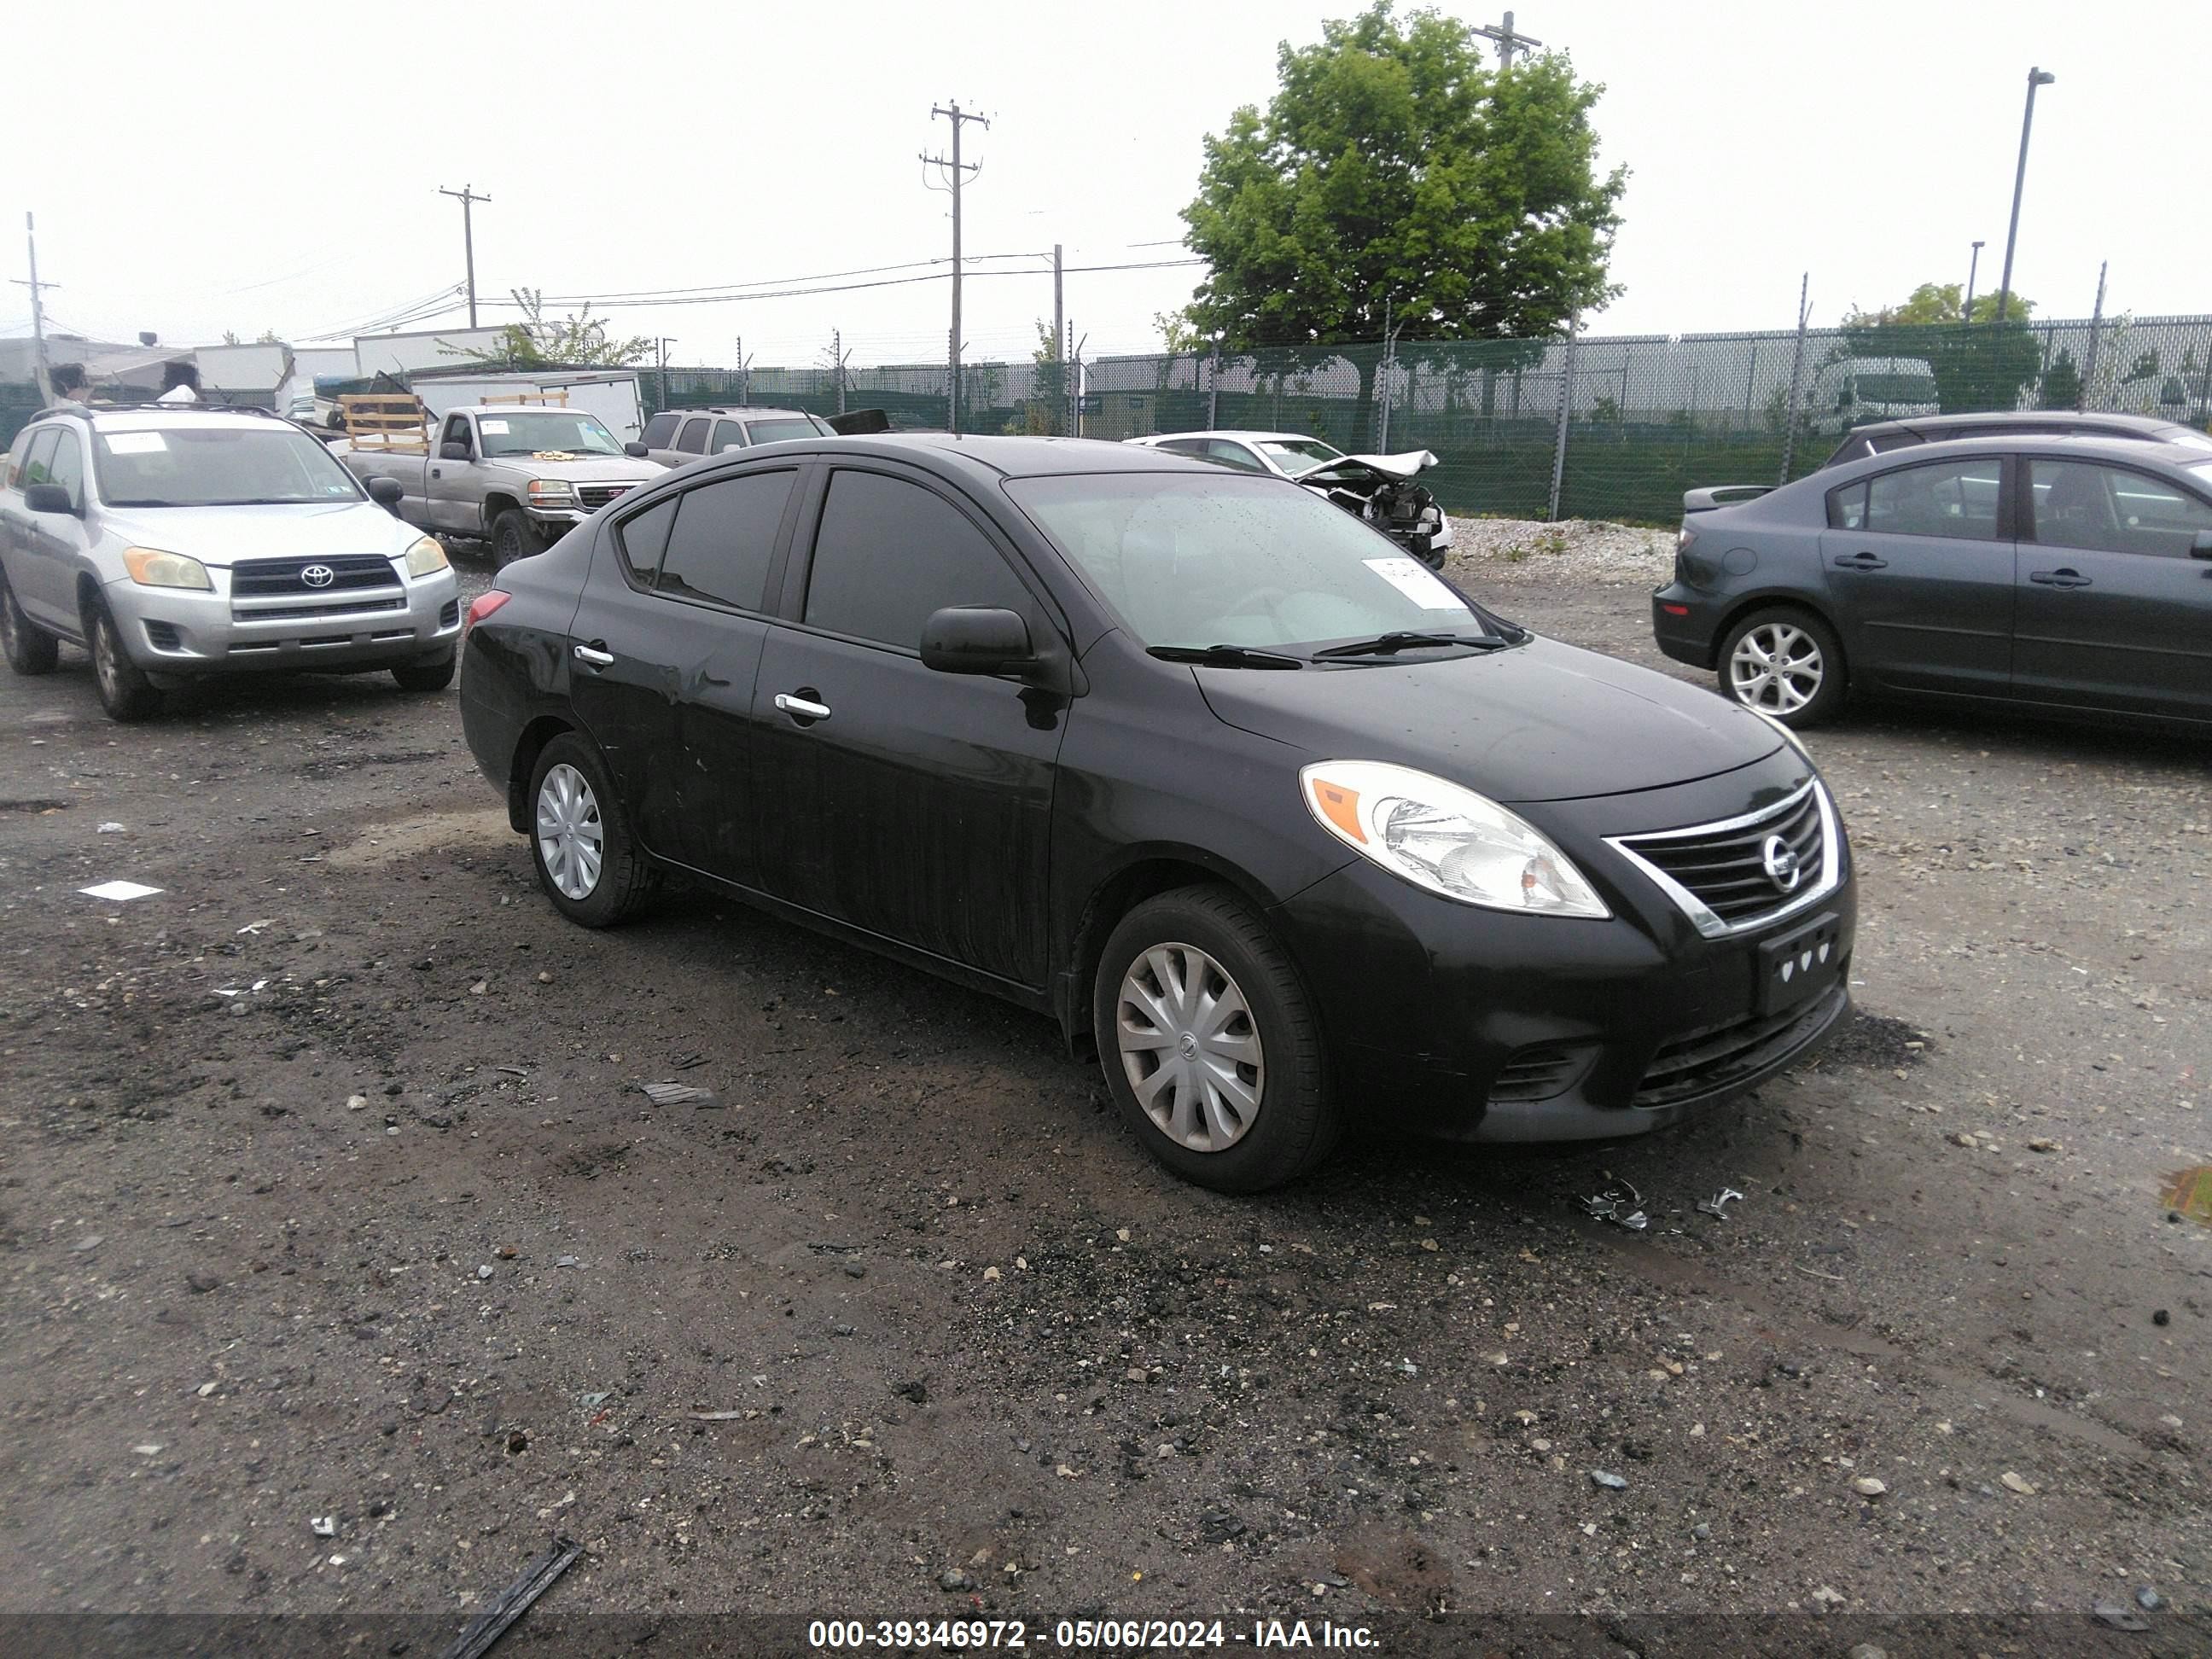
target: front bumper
176 633
1480 1025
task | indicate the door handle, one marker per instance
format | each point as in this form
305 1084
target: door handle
593 655
436 473
2061 577
1861 561
801 709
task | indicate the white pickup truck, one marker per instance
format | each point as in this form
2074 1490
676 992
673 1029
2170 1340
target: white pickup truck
519 477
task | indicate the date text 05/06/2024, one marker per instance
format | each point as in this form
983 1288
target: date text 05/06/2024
1081 1635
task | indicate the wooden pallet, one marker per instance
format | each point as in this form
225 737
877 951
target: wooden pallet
559 399
389 421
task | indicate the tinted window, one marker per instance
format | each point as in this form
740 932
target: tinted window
694 440
658 430
728 435
725 533
68 467
38 461
1183 445
1233 455
1890 440
2111 509
775 432
890 552
456 430
1948 498
644 538
1847 508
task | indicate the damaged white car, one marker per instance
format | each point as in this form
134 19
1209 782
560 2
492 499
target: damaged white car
1379 489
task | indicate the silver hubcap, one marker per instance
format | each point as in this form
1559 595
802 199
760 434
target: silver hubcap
571 840
1190 1048
1776 666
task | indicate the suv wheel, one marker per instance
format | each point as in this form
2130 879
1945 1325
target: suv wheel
124 691
1209 1045
433 675
30 648
586 860
1785 662
513 537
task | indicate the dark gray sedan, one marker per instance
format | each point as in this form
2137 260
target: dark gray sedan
2058 573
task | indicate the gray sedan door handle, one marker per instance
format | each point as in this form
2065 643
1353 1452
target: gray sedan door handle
596 658
800 708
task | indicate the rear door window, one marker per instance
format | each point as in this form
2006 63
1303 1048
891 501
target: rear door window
890 552
725 538
1953 499
2113 509
728 435
693 442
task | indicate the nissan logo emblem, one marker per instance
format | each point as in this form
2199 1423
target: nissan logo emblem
1781 862
321 575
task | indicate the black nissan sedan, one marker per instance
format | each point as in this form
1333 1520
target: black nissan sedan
1294 835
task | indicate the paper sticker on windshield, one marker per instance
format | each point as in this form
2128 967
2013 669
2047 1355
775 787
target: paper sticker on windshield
497 429
1417 584
134 443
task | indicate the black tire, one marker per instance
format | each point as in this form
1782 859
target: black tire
124 691
1813 642
30 648
1295 1122
625 880
433 675
513 537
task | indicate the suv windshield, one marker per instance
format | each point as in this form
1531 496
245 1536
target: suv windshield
1233 561
1294 455
543 432
217 467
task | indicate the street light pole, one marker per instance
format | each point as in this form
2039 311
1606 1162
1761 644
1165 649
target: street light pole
2036 77
1972 265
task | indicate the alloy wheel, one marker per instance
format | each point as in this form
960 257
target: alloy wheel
1190 1048
1777 667
105 648
571 838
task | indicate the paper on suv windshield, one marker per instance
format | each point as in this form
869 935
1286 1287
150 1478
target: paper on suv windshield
134 443
497 429
1417 584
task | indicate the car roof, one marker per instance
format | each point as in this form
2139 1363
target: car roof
2102 446
743 411
2029 419
982 457
159 417
1245 436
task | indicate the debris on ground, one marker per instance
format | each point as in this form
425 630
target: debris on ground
1609 1480
1621 1205
1716 1206
323 1525
2186 1191
671 1093
2149 1600
2112 1613
719 1417
488 1627
119 892
109 830
2019 1484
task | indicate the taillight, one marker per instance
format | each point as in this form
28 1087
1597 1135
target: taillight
482 606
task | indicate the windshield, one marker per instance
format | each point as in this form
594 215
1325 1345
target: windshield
217 467
545 432
1894 388
773 432
1296 454
1231 560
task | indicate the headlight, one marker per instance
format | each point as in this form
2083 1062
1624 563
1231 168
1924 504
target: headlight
1451 841
151 567
426 557
551 492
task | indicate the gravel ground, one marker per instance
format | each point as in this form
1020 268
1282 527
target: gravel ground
326 1190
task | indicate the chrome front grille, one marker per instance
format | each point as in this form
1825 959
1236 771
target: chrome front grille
266 578
597 495
1743 873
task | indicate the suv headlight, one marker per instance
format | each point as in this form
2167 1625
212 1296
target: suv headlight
426 558
1451 841
151 567
551 492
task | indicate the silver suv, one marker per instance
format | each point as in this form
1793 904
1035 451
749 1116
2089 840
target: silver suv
173 542
676 435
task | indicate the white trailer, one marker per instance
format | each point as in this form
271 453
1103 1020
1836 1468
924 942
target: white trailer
612 394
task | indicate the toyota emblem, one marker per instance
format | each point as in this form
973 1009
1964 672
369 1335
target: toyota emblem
1781 862
321 575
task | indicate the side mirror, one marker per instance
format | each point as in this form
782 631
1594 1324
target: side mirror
452 451
47 498
384 492
976 640
635 450
2202 547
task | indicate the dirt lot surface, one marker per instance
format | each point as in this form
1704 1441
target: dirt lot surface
327 1190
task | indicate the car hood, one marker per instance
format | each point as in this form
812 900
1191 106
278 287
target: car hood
581 469
1362 468
1536 722
224 535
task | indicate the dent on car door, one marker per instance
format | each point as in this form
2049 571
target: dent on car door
907 803
1918 561
2113 611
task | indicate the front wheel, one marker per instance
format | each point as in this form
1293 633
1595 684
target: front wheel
29 648
1785 662
1209 1045
586 860
124 691
513 537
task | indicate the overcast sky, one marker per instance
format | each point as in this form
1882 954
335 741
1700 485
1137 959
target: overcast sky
249 167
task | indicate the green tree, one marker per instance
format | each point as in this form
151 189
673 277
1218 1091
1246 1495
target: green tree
1978 365
1395 179
536 342
1939 302
2062 384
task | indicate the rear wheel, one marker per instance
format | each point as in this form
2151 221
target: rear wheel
513 537
1209 1045
30 648
432 676
586 860
1785 662
124 691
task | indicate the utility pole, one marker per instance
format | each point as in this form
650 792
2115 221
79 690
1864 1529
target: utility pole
837 358
1973 265
2086 390
1796 373
468 199
744 379
1059 337
951 171
1509 43
2036 77
38 307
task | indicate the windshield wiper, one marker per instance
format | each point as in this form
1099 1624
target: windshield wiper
1224 656
1384 645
